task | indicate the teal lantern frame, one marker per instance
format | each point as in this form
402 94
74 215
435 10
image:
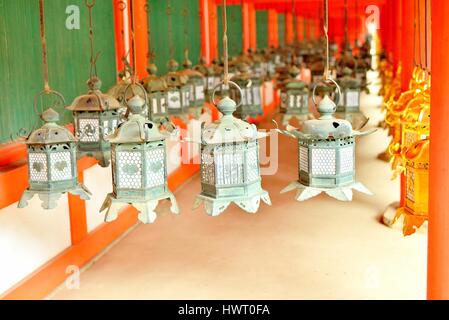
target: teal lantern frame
230 170
52 161
250 91
326 154
139 170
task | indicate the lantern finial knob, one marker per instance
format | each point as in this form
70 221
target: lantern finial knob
152 69
50 115
136 104
94 84
326 107
172 65
227 106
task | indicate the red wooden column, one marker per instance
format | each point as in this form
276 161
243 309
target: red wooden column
141 37
245 26
121 31
438 237
397 32
406 42
213 30
299 28
253 27
289 34
205 30
273 28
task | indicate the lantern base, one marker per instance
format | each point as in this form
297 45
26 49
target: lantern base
400 218
146 208
49 199
343 193
214 206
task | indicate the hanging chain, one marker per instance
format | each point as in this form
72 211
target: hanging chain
93 60
293 21
170 31
225 45
185 14
44 47
326 34
151 53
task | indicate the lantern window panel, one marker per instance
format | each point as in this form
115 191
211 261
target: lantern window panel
89 130
347 160
229 162
256 93
323 161
304 159
186 97
37 166
305 101
163 104
207 167
174 99
155 167
252 162
129 164
352 98
191 92
411 185
200 92
61 166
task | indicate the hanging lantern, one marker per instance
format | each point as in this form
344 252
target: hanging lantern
95 116
250 105
326 157
139 168
178 99
230 169
52 167
195 83
416 207
349 105
156 88
294 98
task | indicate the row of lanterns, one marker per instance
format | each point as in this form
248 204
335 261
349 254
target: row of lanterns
135 144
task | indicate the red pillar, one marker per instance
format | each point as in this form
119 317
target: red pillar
245 27
438 237
213 30
253 27
121 32
141 37
273 28
397 31
289 34
205 30
407 43
299 28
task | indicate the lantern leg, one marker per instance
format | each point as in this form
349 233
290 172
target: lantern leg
26 196
81 191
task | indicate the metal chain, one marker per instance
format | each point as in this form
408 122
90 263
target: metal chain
44 47
93 65
170 31
346 23
326 34
225 45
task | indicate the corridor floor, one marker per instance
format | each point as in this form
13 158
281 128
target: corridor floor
318 249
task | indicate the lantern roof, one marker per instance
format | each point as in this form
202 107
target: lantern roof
137 129
229 129
50 132
348 81
174 78
244 74
94 100
326 126
202 68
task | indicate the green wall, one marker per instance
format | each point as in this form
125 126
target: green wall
235 32
262 29
68 56
281 29
185 19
